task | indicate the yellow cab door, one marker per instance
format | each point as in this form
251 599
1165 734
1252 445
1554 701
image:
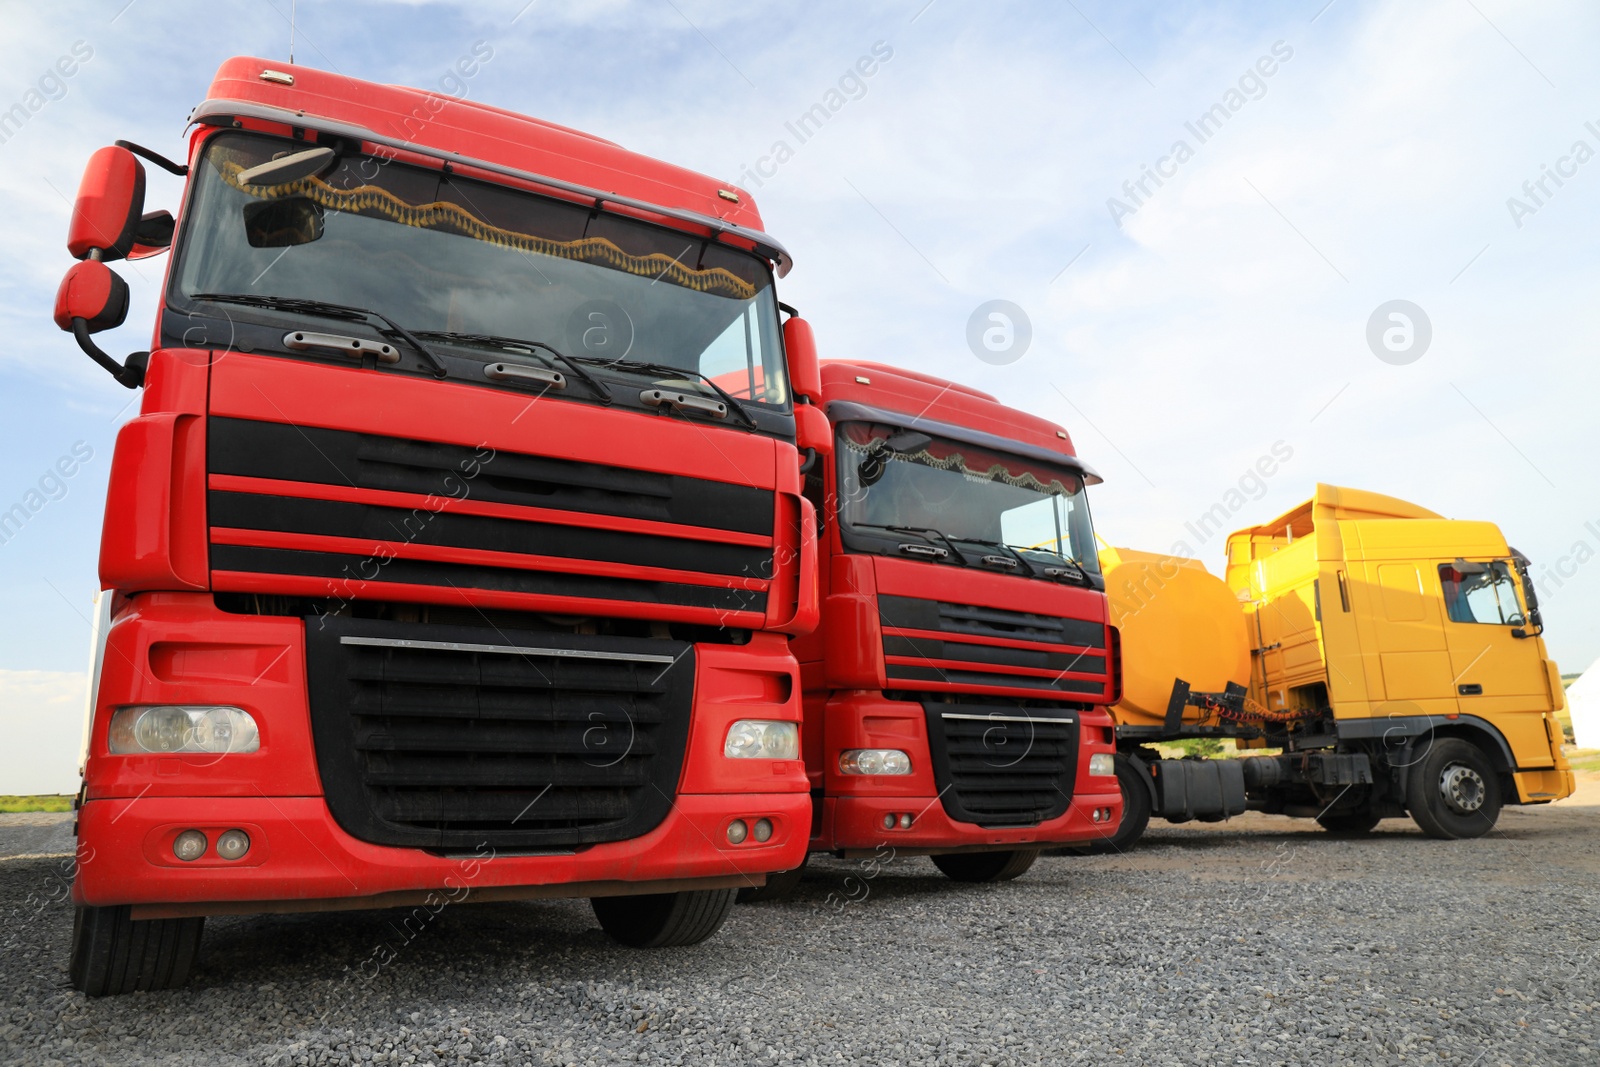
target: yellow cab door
1497 674
1406 619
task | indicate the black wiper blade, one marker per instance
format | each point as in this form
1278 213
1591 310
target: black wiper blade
667 368
302 306
1002 546
516 344
920 531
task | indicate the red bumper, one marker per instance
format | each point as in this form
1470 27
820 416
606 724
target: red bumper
856 824
299 858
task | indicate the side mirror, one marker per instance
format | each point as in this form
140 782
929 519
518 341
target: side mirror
293 220
811 430
154 234
108 211
93 292
93 298
800 345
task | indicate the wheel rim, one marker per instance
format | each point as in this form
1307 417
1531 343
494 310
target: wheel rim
1462 788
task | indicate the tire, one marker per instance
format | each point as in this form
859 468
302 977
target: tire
1454 792
778 887
113 953
985 866
1135 810
664 920
1349 823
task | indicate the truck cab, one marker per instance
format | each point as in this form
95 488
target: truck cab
438 563
956 691
1392 655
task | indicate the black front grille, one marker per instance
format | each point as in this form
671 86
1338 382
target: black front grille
914 613
999 765
451 737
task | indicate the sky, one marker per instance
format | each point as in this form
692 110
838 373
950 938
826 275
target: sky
1312 163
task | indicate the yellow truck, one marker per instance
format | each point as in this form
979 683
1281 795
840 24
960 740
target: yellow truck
1386 659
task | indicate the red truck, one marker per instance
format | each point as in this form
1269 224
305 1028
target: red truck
457 543
956 692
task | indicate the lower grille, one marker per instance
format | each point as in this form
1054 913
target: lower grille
453 737
998 765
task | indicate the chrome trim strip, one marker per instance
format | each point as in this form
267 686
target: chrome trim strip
1003 718
219 112
505 650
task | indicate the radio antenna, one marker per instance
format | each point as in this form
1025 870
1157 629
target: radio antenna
292 5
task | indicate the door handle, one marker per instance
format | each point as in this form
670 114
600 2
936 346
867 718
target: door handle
1473 690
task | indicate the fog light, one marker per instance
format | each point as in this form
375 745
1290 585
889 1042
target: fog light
737 832
905 822
874 761
183 728
763 830
888 822
1103 765
189 845
762 739
233 844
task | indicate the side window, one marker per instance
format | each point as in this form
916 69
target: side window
1041 523
1480 593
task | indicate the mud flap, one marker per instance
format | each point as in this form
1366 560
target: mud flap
1198 789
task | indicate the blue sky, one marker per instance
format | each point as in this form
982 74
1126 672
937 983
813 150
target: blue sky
1225 315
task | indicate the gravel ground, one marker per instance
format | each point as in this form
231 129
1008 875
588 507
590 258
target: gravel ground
1260 941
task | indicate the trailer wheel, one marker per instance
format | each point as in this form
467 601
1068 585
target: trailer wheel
113 953
1349 823
985 866
1454 792
1135 810
664 920
778 886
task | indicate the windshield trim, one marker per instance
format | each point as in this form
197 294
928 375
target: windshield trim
221 113
842 411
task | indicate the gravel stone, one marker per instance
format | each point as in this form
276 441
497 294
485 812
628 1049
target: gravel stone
1258 941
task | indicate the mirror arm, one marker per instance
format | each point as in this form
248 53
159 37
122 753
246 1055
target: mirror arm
130 374
155 157
810 461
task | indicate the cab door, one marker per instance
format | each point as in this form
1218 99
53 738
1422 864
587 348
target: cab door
1497 675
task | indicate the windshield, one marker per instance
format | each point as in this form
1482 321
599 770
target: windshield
891 478
442 254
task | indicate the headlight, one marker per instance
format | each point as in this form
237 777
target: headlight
874 761
762 739
1103 764
183 729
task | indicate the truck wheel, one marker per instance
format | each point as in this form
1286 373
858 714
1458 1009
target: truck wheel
1453 792
1135 810
1349 823
778 886
113 953
664 920
985 866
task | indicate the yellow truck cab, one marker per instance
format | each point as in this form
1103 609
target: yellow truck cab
1393 655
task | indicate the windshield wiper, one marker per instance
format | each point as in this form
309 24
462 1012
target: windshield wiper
1011 552
301 306
920 531
515 344
669 369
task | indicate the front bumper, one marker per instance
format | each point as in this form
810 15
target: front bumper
855 825
300 860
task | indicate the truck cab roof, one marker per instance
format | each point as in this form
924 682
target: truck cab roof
474 131
932 404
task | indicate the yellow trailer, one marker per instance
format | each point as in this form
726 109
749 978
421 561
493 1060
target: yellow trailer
1392 656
